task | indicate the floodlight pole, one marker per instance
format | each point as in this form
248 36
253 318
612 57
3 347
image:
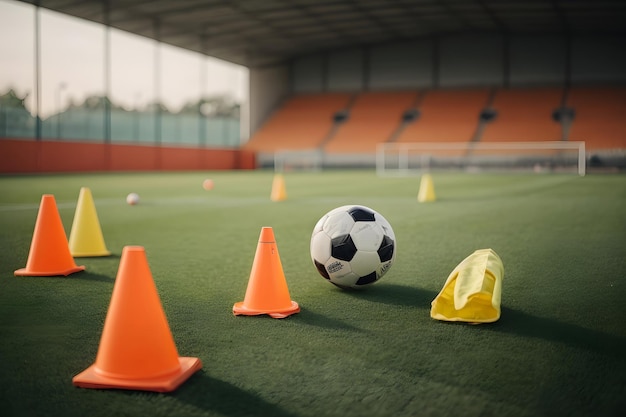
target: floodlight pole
37 75
107 82
60 88
157 90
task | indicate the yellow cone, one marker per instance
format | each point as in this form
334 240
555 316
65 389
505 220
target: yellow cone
473 290
86 238
279 193
427 190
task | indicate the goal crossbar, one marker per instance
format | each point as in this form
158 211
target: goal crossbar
400 155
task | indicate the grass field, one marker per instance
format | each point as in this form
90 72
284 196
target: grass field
559 348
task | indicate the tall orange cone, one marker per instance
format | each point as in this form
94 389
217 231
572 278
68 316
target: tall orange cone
86 236
279 193
267 291
137 350
427 190
49 252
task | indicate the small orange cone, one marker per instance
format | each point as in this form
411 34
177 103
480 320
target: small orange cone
86 236
267 291
49 252
137 350
427 190
279 193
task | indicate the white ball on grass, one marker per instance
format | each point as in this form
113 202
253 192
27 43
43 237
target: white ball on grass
132 199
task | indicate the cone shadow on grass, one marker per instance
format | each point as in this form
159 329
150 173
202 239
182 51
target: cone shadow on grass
394 294
312 318
89 276
219 397
511 321
112 256
526 325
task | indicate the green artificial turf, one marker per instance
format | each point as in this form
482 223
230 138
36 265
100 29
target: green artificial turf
559 348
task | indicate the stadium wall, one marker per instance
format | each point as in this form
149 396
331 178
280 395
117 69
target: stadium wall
406 65
479 60
29 156
268 88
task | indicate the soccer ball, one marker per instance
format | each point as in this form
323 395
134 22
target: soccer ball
353 246
207 184
132 198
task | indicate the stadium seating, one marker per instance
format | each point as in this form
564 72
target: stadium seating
600 117
303 122
447 116
524 115
374 117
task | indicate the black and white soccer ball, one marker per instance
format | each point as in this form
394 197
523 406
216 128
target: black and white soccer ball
353 246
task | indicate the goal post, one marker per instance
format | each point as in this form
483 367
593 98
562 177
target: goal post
403 159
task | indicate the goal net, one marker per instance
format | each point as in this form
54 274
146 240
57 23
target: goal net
403 159
298 160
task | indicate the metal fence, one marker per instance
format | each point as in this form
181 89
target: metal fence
125 127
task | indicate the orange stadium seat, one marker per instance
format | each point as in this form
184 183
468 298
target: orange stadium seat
524 115
600 117
302 123
374 117
447 116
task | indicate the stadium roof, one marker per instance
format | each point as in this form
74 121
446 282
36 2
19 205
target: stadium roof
258 33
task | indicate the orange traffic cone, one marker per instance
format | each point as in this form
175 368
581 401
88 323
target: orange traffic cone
49 252
137 350
279 193
86 236
267 291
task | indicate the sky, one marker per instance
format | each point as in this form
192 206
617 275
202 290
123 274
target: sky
73 62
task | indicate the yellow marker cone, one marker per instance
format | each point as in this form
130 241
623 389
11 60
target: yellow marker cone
86 238
473 290
427 190
279 193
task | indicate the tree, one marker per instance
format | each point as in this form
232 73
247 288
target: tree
15 119
10 99
212 106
